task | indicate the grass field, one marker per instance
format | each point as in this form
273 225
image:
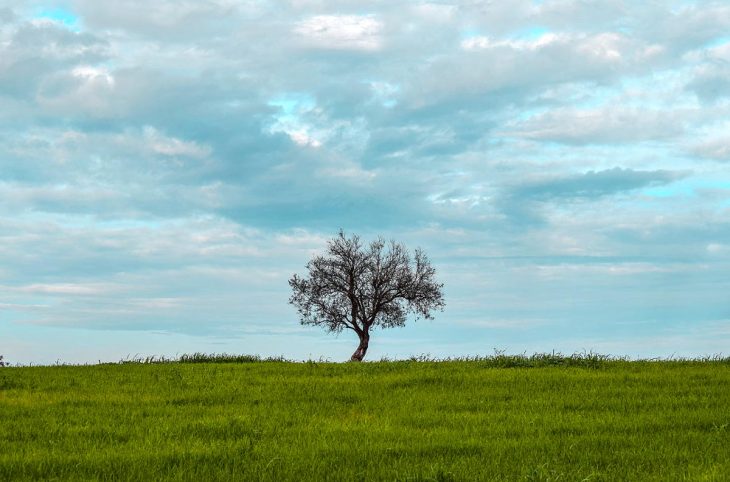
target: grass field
499 418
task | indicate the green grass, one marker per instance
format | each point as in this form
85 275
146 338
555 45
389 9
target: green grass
545 417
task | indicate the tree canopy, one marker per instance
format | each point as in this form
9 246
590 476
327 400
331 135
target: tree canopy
360 287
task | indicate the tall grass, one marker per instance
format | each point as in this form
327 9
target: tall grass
501 417
498 360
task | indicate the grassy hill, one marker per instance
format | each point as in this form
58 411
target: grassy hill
499 418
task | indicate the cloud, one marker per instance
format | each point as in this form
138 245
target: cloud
30 52
608 125
716 148
348 32
525 203
172 146
60 16
481 42
711 82
594 184
61 289
7 16
189 159
608 46
688 27
169 20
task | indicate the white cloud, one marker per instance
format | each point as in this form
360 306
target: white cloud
93 74
483 42
172 146
88 289
303 139
341 32
712 141
605 45
718 249
720 52
717 148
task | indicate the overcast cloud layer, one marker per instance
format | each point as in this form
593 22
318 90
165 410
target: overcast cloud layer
165 166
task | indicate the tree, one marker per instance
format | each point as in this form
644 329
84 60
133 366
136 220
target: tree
361 287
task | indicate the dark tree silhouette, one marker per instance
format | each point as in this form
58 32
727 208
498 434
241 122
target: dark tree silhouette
362 287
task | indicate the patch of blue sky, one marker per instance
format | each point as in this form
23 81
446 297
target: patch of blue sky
531 33
51 344
716 184
679 7
59 15
18 311
291 107
292 102
686 188
527 114
678 190
600 97
384 92
470 32
719 41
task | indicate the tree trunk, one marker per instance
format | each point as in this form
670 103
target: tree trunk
362 348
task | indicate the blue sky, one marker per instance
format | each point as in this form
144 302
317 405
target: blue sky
166 166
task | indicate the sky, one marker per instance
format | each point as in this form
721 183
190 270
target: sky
167 165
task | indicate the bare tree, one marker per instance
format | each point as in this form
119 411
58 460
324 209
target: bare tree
362 287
